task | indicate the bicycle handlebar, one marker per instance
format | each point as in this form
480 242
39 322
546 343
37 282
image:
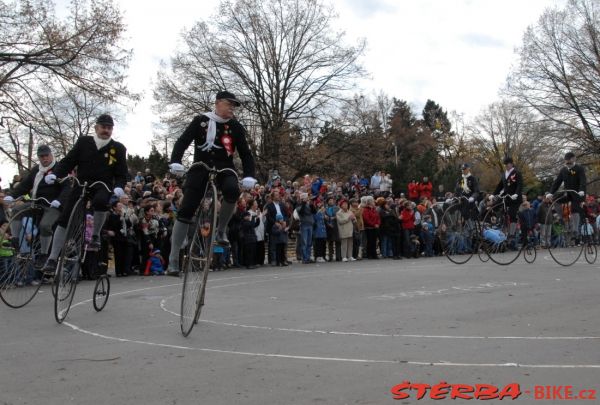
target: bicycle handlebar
86 185
22 198
212 169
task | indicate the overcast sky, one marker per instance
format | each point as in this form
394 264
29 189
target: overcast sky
455 52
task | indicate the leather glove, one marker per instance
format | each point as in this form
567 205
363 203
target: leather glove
55 204
119 192
248 182
491 197
549 196
9 200
448 201
50 178
514 197
581 194
177 169
471 200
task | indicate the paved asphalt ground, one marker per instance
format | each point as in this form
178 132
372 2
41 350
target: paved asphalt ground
338 333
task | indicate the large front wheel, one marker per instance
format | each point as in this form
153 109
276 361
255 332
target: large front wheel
69 263
198 259
500 236
565 246
458 234
19 275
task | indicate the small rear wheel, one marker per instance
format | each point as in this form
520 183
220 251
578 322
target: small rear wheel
530 253
591 253
101 292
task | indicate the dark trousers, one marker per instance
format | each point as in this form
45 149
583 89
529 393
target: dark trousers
249 254
123 257
320 247
371 243
280 253
260 253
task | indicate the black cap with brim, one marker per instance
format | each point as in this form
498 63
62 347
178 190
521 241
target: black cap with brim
465 166
43 150
226 95
105 119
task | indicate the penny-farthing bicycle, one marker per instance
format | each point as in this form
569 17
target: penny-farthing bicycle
564 218
73 254
198 257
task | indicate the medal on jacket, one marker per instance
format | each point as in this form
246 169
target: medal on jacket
111 157
227 141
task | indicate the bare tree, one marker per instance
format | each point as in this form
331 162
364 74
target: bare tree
558 74
506 129
281 56
44 59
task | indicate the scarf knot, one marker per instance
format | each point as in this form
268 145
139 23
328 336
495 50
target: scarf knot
211 131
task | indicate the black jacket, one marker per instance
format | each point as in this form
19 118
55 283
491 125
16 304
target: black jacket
109 164
512 185
473 186
50 192
247 230
219 157
573 178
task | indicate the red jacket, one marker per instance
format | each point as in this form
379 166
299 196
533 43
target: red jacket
371 217
425 190
413 191
408 219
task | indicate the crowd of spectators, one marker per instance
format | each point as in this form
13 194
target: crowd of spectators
307 221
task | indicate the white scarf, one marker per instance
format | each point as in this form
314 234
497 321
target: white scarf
40 175
211 131
464 184
100 143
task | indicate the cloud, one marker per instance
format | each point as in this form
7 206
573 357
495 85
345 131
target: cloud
482 40
369 8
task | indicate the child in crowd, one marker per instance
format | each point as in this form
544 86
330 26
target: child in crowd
279 235
155 263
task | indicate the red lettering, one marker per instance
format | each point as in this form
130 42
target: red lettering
421 389
461 391
592 394
538 392
568 392
556 392
512 390
439 391
397 390
485 391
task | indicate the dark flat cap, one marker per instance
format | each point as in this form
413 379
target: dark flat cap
43 150
105 119
226 95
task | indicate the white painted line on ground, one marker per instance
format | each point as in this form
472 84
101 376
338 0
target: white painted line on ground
163 306
334 359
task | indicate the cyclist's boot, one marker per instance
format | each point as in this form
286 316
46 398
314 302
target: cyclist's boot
99 220
225 214
180 230
49 268
60 234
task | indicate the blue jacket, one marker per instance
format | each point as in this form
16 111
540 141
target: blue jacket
320 230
